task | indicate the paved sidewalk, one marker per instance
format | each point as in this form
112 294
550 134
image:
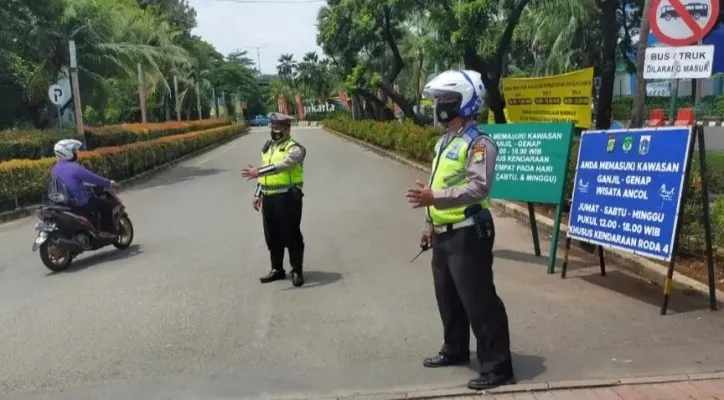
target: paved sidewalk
699 390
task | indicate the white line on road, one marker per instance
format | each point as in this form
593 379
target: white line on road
263 322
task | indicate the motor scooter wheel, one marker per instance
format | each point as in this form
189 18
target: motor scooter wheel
125 238
53 258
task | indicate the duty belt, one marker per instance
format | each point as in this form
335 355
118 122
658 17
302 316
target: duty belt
451 227
270 189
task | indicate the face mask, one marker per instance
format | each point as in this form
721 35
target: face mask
446 112
276 135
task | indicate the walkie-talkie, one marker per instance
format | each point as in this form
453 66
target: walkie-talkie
423 248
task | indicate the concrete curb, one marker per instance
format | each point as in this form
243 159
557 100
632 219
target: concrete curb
464 392
23 212
640 266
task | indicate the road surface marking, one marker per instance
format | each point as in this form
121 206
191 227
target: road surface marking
263 322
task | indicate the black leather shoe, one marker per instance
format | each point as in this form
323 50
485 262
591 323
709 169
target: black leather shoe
443 360
274 275
297 279
489 381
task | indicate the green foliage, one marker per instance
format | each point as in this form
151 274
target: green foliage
24 182
717 219
406 138
708 107
34 144
112 37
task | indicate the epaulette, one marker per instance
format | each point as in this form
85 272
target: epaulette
267 145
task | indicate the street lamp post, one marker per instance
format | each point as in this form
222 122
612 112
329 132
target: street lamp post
258 56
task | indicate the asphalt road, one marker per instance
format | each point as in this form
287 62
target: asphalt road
181 315
714 138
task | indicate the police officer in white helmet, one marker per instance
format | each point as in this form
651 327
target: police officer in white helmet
459 228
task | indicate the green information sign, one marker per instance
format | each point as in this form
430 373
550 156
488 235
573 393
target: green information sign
531 167
532 161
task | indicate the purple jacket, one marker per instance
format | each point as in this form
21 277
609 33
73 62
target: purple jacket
73 175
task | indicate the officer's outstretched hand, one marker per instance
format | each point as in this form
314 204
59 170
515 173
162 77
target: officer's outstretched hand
256 203
250 172
421 196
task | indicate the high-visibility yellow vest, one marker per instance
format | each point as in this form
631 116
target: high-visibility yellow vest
284 180
449 167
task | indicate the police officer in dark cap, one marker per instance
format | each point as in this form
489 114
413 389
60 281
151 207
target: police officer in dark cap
279 196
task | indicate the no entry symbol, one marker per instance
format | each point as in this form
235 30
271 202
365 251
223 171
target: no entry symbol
683 22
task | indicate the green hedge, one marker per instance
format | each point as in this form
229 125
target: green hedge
418 143
708 107
35 144
24 182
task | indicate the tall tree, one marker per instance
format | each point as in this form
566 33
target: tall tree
286 68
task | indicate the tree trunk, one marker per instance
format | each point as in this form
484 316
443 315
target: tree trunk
356 106
492 71
609 30
420 80
638 117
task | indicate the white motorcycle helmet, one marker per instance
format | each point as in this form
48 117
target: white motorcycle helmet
458 93
67 149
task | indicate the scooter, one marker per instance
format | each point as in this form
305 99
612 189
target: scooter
64 234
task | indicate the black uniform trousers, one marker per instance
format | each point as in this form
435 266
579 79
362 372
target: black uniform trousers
282 216
462 267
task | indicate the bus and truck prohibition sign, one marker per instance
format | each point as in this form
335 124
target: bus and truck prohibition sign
683 22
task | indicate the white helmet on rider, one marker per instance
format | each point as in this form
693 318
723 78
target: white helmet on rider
459 93
67 149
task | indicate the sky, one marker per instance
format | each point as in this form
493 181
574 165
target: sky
279 25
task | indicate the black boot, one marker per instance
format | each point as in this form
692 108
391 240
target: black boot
277 261
444 360
296 258
273 275
491 380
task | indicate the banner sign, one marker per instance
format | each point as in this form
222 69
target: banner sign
345 101
532 161
658 89
558 98
282 103
627 189
300 107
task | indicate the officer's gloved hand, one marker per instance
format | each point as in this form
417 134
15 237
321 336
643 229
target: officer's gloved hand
426 239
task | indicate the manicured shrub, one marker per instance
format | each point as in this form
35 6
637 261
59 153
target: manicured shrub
24 182
38 144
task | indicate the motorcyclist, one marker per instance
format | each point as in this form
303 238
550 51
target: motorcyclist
68 179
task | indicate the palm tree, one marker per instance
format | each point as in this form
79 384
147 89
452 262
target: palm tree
563 34
111 37
286 68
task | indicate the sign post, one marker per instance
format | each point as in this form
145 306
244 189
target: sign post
531 167
629 192
58 96
681 23
76 92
